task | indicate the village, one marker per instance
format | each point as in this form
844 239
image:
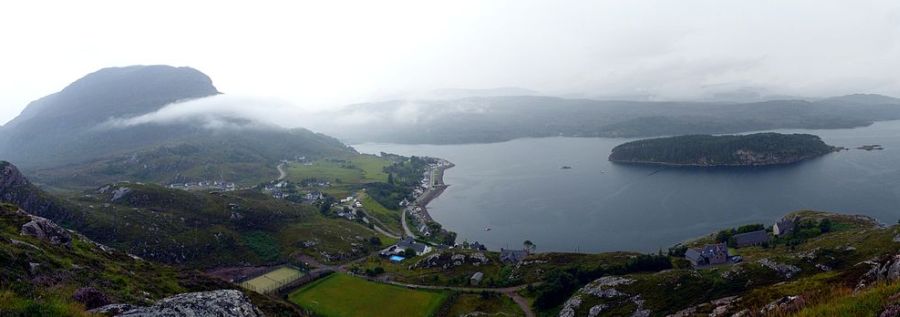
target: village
729 241
206 185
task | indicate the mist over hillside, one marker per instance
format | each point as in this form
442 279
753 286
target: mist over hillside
96 130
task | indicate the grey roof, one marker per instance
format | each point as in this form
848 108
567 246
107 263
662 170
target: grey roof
693 255
708 252
409 243
711 250
477 276
514 256
751 238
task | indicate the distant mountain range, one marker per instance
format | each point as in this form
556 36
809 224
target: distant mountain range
501 118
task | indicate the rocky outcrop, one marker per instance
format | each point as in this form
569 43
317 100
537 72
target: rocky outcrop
887 269
46 230
10 176
786 270
604 288
784 305
221 303
716 308
17 190
892 310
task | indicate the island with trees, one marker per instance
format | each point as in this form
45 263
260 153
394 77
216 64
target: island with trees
758 149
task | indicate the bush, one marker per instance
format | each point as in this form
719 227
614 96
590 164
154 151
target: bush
648 262
555 290
90 297
375 271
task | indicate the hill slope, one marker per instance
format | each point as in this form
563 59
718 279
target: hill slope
48 271
69 138
61 127
197 229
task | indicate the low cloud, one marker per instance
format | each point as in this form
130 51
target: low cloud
246 112
221 112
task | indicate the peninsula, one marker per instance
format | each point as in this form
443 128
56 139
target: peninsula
758 149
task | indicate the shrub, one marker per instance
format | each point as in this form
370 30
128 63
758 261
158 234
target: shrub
90 297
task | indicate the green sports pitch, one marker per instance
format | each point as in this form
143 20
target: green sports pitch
272 280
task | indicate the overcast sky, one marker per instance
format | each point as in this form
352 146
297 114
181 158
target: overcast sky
327 53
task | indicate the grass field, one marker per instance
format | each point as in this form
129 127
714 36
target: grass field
354 170
341 295
372 167
273 280
390 218
332 171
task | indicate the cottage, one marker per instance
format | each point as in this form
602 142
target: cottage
476 278
409 243
512 256
710 254
783 227
313 196
751 238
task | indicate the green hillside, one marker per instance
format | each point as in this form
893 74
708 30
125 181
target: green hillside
41 278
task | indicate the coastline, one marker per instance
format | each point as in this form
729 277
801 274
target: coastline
436 190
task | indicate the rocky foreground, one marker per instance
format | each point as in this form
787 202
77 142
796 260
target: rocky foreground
828 274
221 303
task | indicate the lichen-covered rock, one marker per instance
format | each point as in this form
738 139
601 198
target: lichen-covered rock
784 305
881 270
596 310
120 192
570 306
786 270
221 303
892 310
46 230
112 309
604 287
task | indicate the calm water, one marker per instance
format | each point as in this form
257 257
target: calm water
518 190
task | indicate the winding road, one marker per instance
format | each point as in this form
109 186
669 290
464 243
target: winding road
281 173
406 230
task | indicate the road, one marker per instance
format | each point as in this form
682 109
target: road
511 292
281 173
406 230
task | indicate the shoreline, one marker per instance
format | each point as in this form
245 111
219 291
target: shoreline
436 190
